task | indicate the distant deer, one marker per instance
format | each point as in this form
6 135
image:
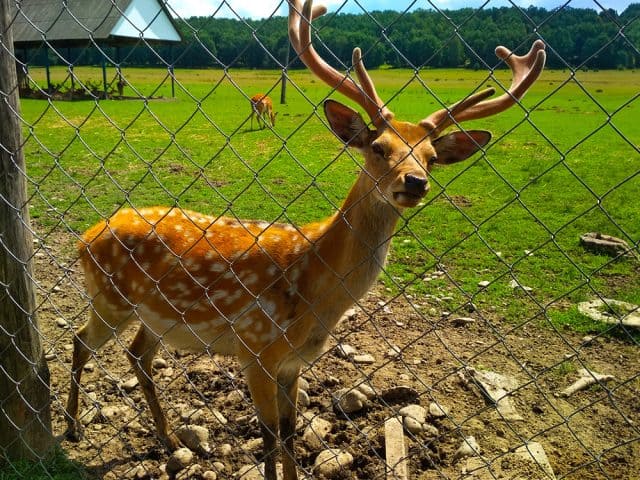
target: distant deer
271 293
262 108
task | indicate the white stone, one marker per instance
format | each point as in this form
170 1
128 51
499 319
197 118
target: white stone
349 400
159 363
235 396
437 411
219 417
256 472
303 398
330 462
468 448
252 445
178 460
316 432
194 437
130 384
412 425
344 350
225 449
416 412
363 359
366 390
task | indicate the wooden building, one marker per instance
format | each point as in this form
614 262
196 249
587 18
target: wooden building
65 24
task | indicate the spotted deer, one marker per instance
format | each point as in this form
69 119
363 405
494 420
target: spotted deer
262 109
271 293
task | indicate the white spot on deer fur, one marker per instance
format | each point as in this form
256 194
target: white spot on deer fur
201 307
229 299
249 335
172 212
182 303
178 228
250 279
134 284
209 255
271 333
272 270
218 295
268 307
289 228
295 274
191 264
178 287
217 267
146 266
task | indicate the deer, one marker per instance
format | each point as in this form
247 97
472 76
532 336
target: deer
262 109
271 293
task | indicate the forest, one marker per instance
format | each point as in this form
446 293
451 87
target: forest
576 38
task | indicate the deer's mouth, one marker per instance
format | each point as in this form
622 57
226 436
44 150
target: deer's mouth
408 199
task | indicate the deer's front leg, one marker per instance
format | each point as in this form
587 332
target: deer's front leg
263 388
287 407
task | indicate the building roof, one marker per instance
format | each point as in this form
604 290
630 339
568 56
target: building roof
78 22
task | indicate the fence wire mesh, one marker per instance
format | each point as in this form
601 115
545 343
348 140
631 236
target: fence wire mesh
488 310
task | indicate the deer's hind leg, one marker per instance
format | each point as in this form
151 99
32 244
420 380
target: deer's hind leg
141 352
86 343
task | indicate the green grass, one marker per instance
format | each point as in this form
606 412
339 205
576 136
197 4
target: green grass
56 467
566 169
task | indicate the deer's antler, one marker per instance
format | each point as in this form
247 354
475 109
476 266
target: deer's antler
364 94
526 70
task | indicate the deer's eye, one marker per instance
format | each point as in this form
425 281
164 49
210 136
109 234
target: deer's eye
433 160
377 149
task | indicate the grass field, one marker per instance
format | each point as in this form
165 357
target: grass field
569 167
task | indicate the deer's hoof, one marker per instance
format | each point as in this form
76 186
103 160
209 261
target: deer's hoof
171 442
73 432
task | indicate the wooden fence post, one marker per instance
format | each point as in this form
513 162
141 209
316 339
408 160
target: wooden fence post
25 416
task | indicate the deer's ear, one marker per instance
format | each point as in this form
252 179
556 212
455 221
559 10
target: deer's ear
347 124
458 146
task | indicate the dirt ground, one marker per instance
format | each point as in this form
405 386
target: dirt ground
593 434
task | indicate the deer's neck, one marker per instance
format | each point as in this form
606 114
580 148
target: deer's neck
353 249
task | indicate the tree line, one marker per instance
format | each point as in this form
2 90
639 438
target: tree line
577 38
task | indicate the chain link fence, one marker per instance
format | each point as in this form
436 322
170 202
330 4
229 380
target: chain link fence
501 338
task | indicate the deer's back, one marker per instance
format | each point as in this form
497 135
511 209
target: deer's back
195 278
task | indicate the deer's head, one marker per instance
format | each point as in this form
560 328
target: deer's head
398 155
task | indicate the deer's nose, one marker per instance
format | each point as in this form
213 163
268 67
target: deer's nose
415 185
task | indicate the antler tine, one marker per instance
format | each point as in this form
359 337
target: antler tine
526 70
365 95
